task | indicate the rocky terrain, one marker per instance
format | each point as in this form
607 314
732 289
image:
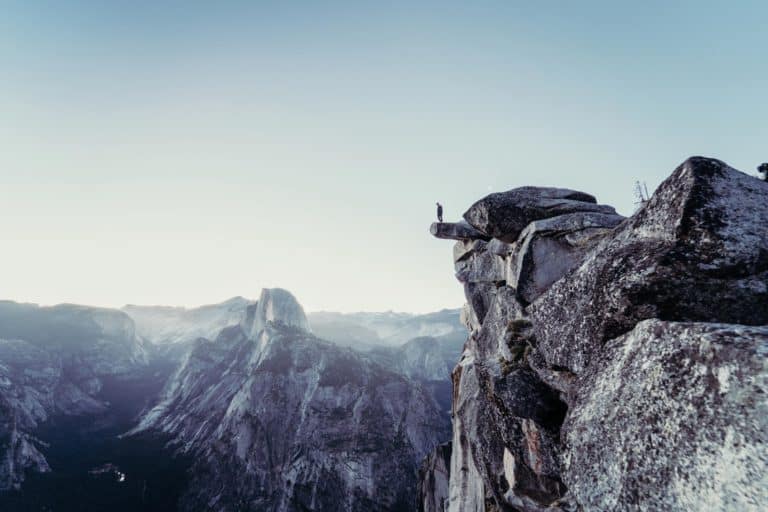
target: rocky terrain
279 420
611 364
56 361
229 406
434 479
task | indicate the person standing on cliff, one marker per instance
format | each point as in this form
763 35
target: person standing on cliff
439 212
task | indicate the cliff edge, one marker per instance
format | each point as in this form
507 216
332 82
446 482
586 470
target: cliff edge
612 363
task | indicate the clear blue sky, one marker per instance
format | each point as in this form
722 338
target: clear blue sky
184 152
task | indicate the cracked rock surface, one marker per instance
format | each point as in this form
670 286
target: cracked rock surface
614 364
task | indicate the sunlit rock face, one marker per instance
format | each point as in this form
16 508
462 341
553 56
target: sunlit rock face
55 361
279 420
456 231
697 251
614 364
275 306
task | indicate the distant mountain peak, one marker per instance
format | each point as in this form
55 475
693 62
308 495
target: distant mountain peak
277 306
236 300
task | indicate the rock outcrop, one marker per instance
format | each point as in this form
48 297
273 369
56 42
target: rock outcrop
279 420
456 231
434 476
614 364
697 251
504 215
548 249
672 417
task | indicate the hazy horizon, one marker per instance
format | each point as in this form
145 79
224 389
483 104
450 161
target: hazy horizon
227 299
184 153
215 301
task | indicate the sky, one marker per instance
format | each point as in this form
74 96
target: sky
183 153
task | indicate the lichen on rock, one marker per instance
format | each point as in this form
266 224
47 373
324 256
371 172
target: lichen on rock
615 364
672 417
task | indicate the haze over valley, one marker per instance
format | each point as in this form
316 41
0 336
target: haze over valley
209 391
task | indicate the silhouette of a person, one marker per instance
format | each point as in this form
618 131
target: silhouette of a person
763 169
439 212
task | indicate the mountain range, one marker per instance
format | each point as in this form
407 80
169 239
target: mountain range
240 405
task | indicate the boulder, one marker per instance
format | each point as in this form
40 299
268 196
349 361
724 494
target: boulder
456 231
504 215
696 251
550 248
672 416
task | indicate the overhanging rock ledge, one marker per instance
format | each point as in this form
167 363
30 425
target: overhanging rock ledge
611 363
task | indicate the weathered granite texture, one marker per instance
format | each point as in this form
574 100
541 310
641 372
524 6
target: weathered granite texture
504 215
672 417
615 364
547 249
697 251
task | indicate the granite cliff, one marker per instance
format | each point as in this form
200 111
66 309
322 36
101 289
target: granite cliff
612 363
277 419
